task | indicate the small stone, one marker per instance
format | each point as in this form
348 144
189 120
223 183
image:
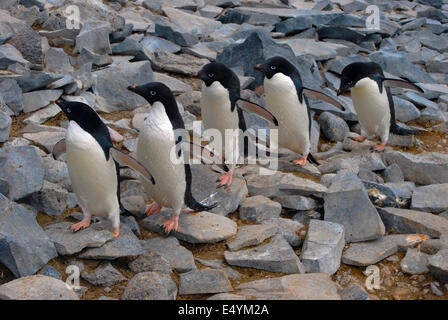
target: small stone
50 271
438 265
152 261
36 100
251 235
435 289
94 36
204 281
354 292
259 208
430 198
393 174
150 286
288 229
415 262
104 275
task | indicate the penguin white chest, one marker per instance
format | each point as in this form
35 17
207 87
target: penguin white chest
292 115
94 180
372 107
156 150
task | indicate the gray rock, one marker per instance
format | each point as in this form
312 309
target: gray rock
5 126
131 47
43 114
333 127
322 249
86 57
354 292
10 55
110 85
347 203
11 94
94 36
22 167
180 258
259 208
367 175
56 60
288 229
152 261
337 65
276 256
50 271
415 262
184 64
419 100
219 264
51 199
319 50
175 34
251 235
425 168
393 174
210 11
175 85
69 243
204 227
153 44
410 221
36 100
430 198
150 286
405 110
304 217
367 253
438 265
135 204
37 287
191 23
340 164
45 139
25 248
296 202
104 275
204 281
29 44
36 80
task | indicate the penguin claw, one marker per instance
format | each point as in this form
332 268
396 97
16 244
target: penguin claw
379 147
226 179
153 208
116 232
83 224
171 224
300 162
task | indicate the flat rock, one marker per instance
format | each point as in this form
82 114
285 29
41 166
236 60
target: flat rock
150 286
204 281
411 221
52 199
184 64
152 261
43 114
367 253
414 262
438 265
5 126
275 256
10 55
68 242
180 258
259 208
191 23
204 227
104 275
431 198
37 287
288 229
354 292
296 202
36 100
175 85
11 94
94 36
251 235
322 249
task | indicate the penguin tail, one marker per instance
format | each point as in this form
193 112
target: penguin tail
403 131
312 159
197 206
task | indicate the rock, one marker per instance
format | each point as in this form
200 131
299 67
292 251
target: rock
288 229
131 47
322 249
36 100
110 85
259 208
333 127
50 271
415 262
69 243
22 167
435 290
180 258
29 43
347 203
36 80
204 281
56 60
204 227
11 94
313 286
368 253
175 85
25 247
354 292
405 110
226 296
104 275
184 64
37 287
393 174
45 139
126 245
296 202
251 235
410 221
210 11
367 175
337 65
10 55
94 36
51 199
276 256
43 114
430 198
191 23
175 34
419 100
340 164
5 126
153 44
152 261
219 264
438 265
150 286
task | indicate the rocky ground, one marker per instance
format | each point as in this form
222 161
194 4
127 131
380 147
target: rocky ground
298 234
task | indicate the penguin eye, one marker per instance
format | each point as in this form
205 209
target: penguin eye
68 110
211 75
152 92
273 67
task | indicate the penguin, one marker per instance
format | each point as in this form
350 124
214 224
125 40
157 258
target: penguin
286 99
219 109
92 163
372 99
164 131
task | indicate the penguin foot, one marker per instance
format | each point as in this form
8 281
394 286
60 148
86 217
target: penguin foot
359 139
192 212
226 179
171 224
153 208
379 147
116 232
300 162
83 224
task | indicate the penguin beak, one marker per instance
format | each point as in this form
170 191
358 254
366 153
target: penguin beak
196 75
132 88
259 67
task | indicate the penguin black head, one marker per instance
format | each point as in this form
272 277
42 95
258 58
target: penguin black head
357 71
217 71
155 92
275 65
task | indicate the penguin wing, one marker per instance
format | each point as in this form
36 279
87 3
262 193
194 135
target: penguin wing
252 107
126 160
59 148
323 96
203 153
400 83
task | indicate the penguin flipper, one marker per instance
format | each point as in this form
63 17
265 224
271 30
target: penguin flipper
129 161
252 107
59 148
323 96
400 83
204 154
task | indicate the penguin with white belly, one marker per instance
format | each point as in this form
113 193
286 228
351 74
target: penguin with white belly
163 132
92 163
286 100
219 109
372 99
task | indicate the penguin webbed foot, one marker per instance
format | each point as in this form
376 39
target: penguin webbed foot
153 208
83 224
171 224
300 162
226 179
116 232
378 147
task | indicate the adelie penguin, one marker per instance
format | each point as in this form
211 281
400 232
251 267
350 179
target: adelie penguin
92 163
162 133
372 99
286 100
219 110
